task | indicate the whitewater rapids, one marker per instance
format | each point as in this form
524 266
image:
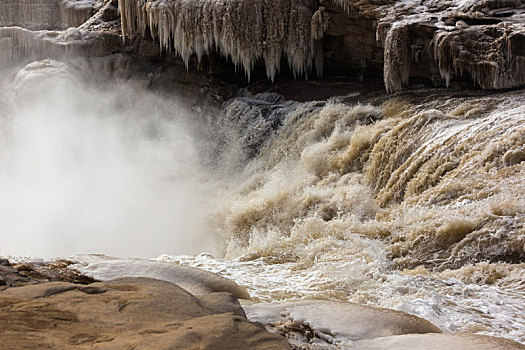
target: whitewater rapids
414 203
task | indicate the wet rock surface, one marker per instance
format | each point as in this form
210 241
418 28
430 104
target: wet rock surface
335 325
438 342
146 313
139 313
17 275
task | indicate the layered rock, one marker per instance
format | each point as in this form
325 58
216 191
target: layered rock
139 313
11 277
24 274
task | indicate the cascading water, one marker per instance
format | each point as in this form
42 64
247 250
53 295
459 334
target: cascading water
413 201
416 206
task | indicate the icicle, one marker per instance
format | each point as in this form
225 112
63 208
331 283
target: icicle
31 14
319 24
443 56
243 31
75 12
349 6
498 68
22 44
397 57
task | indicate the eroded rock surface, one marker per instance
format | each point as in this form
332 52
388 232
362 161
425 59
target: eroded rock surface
338 322
138 313
23 274
327 325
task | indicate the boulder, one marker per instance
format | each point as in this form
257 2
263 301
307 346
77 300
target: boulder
338 322
138 313
11 277
316 324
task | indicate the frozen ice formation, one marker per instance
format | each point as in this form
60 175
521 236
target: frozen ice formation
244 31
45 14
484 40
41 29
440 41
36 75
32 14
339 323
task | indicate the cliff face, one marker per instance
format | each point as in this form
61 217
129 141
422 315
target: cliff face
439 41
39 29
436 40
45 14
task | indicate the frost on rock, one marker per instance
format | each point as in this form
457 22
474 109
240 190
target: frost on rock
45 14
243 31
487 55
93 29
31 14
76 12
355 8
26 45
483 40
34 77
21 42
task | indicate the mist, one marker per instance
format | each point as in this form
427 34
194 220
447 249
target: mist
110 169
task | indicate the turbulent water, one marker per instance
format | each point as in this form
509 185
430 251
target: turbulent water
414 202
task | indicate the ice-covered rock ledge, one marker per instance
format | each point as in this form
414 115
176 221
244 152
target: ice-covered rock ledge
483 41
478 40
441 42
40 29
243 31
46 14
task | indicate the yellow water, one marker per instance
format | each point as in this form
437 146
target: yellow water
414 202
